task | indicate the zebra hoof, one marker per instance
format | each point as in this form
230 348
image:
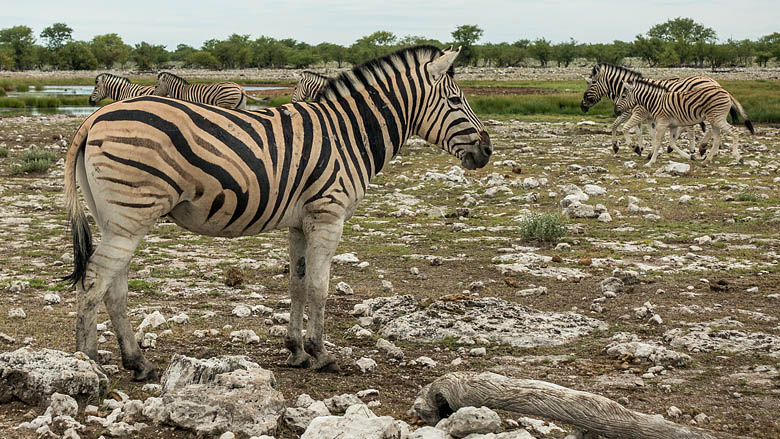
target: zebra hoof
615 148
145 375
741 161
669 149
637 151
693 156
300 361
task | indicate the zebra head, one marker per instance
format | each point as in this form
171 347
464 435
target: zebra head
449 121
627 99
100 92
162 88
595 90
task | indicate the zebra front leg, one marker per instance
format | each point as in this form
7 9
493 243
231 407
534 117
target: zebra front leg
674 135
294 341
703 144
116 305
322 238
660 129
715 145
633 121
618 121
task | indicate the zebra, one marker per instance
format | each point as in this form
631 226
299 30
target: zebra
230 173
308 86
607 80
222 94
672 109
117 88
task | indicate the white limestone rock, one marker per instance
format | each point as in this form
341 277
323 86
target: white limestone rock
470 420
359 422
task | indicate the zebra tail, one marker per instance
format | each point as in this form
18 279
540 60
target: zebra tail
252 98
703 127
736 105
82 235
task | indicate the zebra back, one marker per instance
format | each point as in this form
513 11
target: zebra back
222 94
308 86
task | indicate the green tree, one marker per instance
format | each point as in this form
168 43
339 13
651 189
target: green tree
182 53
77 56
110 49
768 47
201 58
371 46
564 53
235 52
541 50
332 52
649 49
466 36
20 41
147 55
684 34
57 35
417 40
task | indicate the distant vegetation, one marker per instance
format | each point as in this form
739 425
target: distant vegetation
34 160
542 227
677 42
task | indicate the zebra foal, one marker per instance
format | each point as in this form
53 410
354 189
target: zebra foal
219 172
117 88
308 86
222 94
673 109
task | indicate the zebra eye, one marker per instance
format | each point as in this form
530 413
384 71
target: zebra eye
455 100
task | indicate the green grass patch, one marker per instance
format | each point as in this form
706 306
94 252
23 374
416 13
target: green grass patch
3 92
34 160
3 152
747 196
278 100
21 88
551 104
542 227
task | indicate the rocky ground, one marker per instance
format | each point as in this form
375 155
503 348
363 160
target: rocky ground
663 294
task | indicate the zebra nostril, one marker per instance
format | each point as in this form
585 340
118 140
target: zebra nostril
487 151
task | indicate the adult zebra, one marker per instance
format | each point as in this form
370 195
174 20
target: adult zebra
222 94
671 109
117 88
219 172
308 86
608 79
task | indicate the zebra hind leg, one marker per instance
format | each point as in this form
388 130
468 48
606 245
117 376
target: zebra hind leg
322 239
294 340
110 258
116 305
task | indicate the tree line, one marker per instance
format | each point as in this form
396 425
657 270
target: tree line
677 42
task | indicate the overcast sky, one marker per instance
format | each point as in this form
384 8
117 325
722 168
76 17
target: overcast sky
171 22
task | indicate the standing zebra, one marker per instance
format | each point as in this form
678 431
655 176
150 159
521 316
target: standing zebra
117 88
308 86
672 109
218 172
222 94
608 79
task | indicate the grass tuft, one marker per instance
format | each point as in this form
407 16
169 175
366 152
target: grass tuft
542 227
747 196
34 160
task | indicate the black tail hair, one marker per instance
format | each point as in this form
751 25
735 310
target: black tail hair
749 126
734 114
703 127
82 249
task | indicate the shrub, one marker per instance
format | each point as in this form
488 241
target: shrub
3 152
22 88
747 196
542 227
2 92
34 160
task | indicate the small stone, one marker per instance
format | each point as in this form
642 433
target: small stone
387 285
343 288
605 217
478 352
752 290
701 418
241 311
51 298
227 435
673 412
656 319
17 313
345 258
365 364
425 361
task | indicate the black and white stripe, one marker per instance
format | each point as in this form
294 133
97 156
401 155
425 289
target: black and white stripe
117 88
219 172
672 109
308 86
222 94
608 79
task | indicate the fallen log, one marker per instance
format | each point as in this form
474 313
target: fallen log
586 411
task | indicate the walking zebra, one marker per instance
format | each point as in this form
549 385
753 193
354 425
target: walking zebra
672 109
117 88
608 79
222 94
219 172
308 86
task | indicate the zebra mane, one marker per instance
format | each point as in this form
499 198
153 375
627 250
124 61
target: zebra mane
113 76
649 83
597 68
173 76
315 74
362 75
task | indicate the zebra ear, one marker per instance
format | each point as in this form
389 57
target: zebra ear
440 65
